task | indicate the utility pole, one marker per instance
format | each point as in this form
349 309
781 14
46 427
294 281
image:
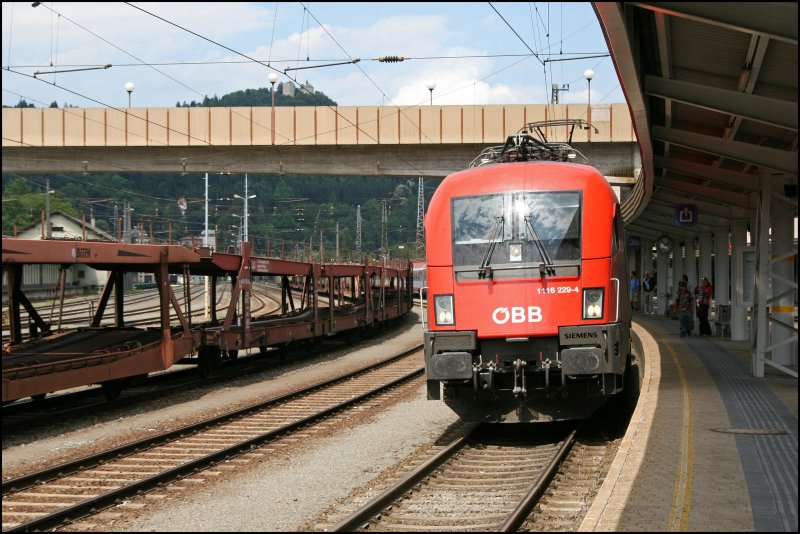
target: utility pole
589 74
556 90
205 230
48 227
127 237
124 229
358 232
130 223
246 214
205 244
246 197
419 248
384 230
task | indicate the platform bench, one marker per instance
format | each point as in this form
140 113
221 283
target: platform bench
722 322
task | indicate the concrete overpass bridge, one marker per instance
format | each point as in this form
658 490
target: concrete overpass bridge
427 141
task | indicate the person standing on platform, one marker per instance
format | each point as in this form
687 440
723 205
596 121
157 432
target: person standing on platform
685 306
648 285
689 286
633 288
703 294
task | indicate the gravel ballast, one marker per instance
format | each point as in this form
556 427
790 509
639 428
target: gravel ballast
283 486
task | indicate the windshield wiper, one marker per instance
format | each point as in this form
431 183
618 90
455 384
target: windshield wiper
547 266
497 231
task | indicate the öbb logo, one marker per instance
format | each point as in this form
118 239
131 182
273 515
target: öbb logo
517 314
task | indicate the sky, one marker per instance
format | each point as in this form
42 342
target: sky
475 53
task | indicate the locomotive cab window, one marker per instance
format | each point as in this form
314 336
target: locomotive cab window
511 234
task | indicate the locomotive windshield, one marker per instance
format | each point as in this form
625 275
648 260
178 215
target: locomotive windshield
510 230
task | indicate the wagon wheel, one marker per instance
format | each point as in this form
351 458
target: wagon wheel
210 359
112 390
284 350
138 380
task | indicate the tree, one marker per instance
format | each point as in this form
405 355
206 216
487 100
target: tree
23 104
262 97
23 206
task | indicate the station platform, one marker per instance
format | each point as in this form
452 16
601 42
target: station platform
710 447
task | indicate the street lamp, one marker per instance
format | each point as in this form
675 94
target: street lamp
272 77
129 87
589 74
431 86
237 236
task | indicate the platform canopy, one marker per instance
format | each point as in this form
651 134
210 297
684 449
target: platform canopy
712 88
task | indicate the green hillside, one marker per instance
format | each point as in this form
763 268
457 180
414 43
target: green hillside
289 209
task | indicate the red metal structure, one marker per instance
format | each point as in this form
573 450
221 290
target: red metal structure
527 288
334 297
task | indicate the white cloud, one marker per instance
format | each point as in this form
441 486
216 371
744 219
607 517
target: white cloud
363 31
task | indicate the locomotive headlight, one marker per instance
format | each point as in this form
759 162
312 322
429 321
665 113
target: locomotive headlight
515 252
443 310
593 303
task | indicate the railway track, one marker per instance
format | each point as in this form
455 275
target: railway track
37 415
48 498
486 478
475 483
567 499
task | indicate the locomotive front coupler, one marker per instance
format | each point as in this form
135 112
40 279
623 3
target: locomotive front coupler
519 378
546 366
483 375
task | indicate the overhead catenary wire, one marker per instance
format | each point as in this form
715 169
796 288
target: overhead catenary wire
117 47
258 61
101 103
305 8
347 120
524 57
517 34
309 14
380 59
202 37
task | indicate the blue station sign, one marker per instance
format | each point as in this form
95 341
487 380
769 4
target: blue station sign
686 215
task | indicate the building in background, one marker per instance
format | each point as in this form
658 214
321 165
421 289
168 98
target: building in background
41 281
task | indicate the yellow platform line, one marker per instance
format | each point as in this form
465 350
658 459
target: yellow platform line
682 494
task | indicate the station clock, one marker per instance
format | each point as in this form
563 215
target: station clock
664 244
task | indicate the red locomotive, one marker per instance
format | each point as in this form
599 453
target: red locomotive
527 286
